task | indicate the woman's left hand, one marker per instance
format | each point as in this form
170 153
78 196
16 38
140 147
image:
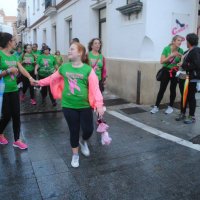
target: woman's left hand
100 111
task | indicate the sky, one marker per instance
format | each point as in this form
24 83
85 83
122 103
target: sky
9 7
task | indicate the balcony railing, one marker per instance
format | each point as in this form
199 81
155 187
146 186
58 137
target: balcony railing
50 7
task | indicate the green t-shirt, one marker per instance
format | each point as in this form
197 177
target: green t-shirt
36 53
166 52
46 65
28 62
75 93
97 63
59 60
9 80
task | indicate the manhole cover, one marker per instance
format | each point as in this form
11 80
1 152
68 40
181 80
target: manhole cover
133 110
114 102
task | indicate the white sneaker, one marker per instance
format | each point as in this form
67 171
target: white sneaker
154 110
84 148
169 110
75 161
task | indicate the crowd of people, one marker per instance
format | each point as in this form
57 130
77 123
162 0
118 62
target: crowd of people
79 83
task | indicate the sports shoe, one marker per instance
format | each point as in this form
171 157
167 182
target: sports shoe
33 102
189 120
84 148
22 97
169 110
3 140
75 161
154 110
180 117
20 144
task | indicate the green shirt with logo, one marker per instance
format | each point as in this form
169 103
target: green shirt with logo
75 93
96 61
9 80
28 62
46 64
166 52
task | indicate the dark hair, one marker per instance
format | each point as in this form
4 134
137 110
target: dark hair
75 40
4 39
91 43
45 48
35 44
192 39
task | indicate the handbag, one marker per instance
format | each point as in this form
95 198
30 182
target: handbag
160 72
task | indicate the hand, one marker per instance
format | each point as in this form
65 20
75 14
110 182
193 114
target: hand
176 54
13 70
34 82
179 64
100 111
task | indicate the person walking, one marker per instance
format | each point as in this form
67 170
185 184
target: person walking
46 65
97 61
79 90
28 61
9 67
170 57
59 59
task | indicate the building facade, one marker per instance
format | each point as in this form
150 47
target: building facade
133 32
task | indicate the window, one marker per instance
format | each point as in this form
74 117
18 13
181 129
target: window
44 36
70 30
38 4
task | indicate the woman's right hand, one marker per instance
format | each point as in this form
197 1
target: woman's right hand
176 54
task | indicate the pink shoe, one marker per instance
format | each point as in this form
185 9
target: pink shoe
33 102
20 144
3 140
22 97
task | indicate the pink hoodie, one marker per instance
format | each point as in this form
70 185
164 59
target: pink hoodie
56 82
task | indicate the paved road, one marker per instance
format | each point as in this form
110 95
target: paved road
138 165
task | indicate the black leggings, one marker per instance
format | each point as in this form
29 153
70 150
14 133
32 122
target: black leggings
163 86
26 85
44 91
77 118
11 109
191 100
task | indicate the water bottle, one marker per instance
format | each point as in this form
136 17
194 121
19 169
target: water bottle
2 87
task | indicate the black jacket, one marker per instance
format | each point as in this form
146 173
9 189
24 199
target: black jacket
192 63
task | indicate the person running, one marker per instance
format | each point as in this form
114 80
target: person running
46 65
9 67
170 57
79 93
59 59
97 61
191 64
28 61
35 50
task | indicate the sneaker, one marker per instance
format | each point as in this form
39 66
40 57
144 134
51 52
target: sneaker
22 97
154 110
33 102
84 148
20 144
189 120
75 161
180 117
3 140
169 110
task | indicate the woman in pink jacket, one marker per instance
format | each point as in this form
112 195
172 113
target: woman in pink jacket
78 87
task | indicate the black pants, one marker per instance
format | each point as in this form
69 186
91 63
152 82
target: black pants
101 85
163 86
45 90
191 100
11 109
26 85
76 119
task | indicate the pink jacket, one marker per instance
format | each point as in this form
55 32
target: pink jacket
56 82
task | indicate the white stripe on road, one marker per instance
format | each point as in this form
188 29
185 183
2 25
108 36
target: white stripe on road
155 131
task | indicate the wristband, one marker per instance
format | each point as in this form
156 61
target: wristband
30 78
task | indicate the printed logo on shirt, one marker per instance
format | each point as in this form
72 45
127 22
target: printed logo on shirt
94 64
11 64
46 62
27 60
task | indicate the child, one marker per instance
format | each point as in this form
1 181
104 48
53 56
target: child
77 85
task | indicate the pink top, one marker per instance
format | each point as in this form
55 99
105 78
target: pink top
56 82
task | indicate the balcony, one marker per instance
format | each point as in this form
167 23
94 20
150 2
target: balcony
50 7
21 3
21 24
132 8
